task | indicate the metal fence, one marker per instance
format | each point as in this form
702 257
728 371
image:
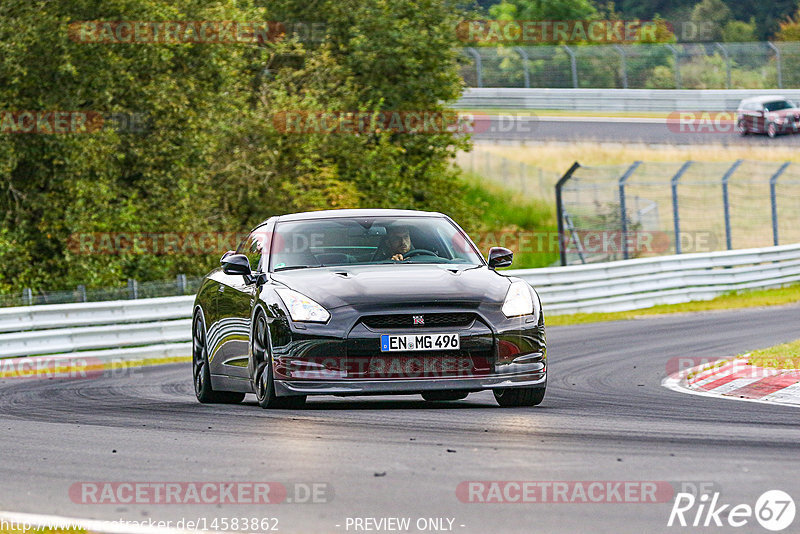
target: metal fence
652 209
133 290
755 65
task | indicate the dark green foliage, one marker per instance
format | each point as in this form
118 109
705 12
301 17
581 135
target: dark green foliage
211 158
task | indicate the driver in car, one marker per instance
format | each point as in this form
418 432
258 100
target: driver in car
398 242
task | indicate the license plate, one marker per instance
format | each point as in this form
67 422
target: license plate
412 342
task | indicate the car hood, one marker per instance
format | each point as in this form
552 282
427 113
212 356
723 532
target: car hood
790 112
378 285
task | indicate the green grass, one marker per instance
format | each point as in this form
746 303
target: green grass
510 221
740 299
785 356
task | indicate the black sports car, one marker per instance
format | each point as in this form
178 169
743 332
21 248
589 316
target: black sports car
366 302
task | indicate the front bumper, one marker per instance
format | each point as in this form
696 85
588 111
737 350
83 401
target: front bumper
408 386
320 360
526 371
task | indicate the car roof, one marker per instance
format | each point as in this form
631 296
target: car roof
329 214
764 98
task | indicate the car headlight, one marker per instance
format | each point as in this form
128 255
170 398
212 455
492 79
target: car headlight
302 308
520 301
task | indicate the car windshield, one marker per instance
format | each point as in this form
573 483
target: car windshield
778 105
369 240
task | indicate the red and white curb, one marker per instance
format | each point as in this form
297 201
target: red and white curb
737 379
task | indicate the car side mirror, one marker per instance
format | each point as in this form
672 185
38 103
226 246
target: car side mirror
500 257
235 264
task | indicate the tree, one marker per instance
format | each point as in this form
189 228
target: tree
790 28
550 10
211 158
713 13
737 31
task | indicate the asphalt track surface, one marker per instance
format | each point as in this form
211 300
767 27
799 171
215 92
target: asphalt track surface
616 129
605 418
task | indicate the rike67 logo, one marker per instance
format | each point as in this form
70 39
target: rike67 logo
774 510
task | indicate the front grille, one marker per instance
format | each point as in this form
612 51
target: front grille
428 320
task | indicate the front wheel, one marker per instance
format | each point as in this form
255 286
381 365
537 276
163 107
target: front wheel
263 382
741 127
510 397
772 130
200 371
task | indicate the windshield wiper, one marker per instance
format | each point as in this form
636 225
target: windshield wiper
292 267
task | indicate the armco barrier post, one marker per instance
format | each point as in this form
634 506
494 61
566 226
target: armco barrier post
773 181
573 64
560 210
675 54
727 63
675 210
27 297
725 203
82 293
524 55
478 67
778 65
180 281
622 209
133 289
624 65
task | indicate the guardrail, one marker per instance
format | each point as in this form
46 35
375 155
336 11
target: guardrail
161 327
102 331
664 100
94 313
645 282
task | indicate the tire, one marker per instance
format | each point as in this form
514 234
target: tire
200 371
444 395
772 130
511 397
263 381
741 127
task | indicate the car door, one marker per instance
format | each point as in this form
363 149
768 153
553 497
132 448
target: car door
209 297
759 118
235 302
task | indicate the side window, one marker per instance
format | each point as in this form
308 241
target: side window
254 246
